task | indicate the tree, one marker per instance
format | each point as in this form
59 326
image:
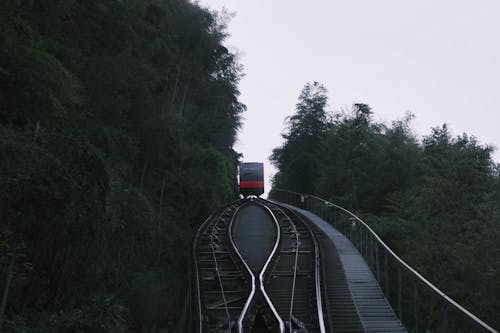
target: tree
296 159
135 106
436 202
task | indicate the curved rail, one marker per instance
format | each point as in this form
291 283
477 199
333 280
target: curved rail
215 239
317 269
317 276
244 312
395 257
212 221
264 268
294 274
212 245
317 266
252 276
197 273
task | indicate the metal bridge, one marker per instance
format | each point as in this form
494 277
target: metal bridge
300 264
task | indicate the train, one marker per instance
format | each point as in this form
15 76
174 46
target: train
251 178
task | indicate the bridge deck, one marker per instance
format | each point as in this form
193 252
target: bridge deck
373 310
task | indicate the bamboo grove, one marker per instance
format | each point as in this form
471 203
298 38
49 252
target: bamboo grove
435 200
117 121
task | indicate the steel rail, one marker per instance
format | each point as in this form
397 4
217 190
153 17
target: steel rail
202 227
317 275
317 269
294 272
264 268
195 246
401 262
220 281
317 278
252 276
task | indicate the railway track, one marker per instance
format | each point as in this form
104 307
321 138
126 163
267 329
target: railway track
221 286
297 266
257 268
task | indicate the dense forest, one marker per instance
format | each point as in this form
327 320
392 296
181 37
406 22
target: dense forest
117 121
117 125
435 201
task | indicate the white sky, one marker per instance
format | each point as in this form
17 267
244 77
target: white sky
439 59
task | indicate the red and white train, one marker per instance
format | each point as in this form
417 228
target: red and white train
251 178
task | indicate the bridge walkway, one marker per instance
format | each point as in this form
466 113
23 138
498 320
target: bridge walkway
373 310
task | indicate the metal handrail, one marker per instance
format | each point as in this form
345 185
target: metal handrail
398 260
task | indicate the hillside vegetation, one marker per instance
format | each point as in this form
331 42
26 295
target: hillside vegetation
117 121
435 201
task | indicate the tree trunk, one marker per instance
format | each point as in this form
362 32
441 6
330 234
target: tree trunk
144 172
161 202
61 275
181 108
176 85
8 278
118 265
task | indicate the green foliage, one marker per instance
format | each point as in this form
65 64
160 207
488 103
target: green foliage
117 119
146 299
295 159
33 77
363 161
435 202
99 313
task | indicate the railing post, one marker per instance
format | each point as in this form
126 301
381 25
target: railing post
361 232
356 235
400 298
431 310
351 227
361 243
377 268
367 246
386 264
415 304
445 317
371 253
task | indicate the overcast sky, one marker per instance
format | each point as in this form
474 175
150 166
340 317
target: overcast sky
439 59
